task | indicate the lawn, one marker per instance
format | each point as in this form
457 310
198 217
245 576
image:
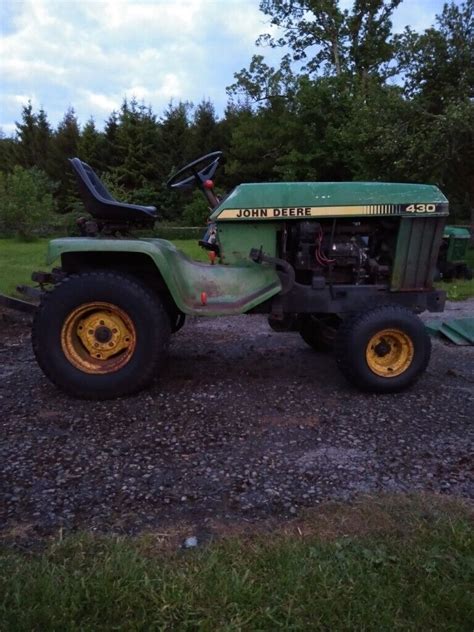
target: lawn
18 259
381 564
459 290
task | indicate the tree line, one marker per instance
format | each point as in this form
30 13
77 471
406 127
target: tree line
350 100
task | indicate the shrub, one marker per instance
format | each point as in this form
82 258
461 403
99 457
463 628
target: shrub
26 202
196 212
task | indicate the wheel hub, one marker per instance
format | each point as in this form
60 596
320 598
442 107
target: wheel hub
103 334
382 348
389 352
98 338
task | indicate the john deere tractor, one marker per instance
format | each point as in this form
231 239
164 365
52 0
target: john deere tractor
348 265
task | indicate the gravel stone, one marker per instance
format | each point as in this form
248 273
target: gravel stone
244 424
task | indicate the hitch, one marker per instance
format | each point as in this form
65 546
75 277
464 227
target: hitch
17 304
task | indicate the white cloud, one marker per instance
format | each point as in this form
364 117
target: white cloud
8 129
92 53
102 102
21 99
175 18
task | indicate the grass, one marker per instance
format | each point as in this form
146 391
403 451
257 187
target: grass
18 259
409 568
457 290
460 290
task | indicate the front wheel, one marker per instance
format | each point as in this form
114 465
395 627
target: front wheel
383 350
101 335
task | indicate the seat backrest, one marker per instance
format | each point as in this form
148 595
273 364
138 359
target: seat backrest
100 203
97 184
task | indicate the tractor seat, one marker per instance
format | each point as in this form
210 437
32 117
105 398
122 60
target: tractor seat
102 206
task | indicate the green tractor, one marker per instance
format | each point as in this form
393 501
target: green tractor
347 265
452 258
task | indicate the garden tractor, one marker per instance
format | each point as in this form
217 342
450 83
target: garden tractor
348 265
452 258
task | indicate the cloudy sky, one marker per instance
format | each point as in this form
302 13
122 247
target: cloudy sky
90 54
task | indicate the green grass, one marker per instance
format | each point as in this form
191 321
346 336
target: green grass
457 290
460 290
413 571
19 259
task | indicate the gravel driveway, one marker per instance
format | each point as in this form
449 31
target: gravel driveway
246 424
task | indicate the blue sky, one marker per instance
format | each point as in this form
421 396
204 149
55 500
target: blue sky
90 54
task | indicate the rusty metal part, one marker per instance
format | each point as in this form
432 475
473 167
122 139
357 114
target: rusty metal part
98 338
17 304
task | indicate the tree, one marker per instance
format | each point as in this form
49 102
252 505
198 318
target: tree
90 145
64 146
7 152
110 155
262 83
332 41
438 68
205 135
26 202
34 138
175 150
175 137
137 144
438 65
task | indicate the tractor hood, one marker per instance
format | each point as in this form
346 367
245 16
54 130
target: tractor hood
300 200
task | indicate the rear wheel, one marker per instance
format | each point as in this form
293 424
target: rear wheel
383 350
100 335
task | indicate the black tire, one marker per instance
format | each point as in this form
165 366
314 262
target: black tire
319 334
356 347
141 306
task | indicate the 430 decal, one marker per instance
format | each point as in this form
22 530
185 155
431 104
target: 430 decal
420 208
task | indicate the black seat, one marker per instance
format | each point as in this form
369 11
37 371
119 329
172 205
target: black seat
101 205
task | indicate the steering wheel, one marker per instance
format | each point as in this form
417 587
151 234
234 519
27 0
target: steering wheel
201 169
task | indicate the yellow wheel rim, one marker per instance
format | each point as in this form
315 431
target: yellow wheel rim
98 338
389 353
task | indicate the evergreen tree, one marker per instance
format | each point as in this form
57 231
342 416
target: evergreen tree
205 136
7 153
44 137
175 137
137 142
90 145
175 150
34 137
26 137
65 145
110 155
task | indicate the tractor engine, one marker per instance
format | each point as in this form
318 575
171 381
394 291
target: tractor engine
339 251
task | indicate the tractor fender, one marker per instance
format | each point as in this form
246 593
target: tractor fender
196 288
